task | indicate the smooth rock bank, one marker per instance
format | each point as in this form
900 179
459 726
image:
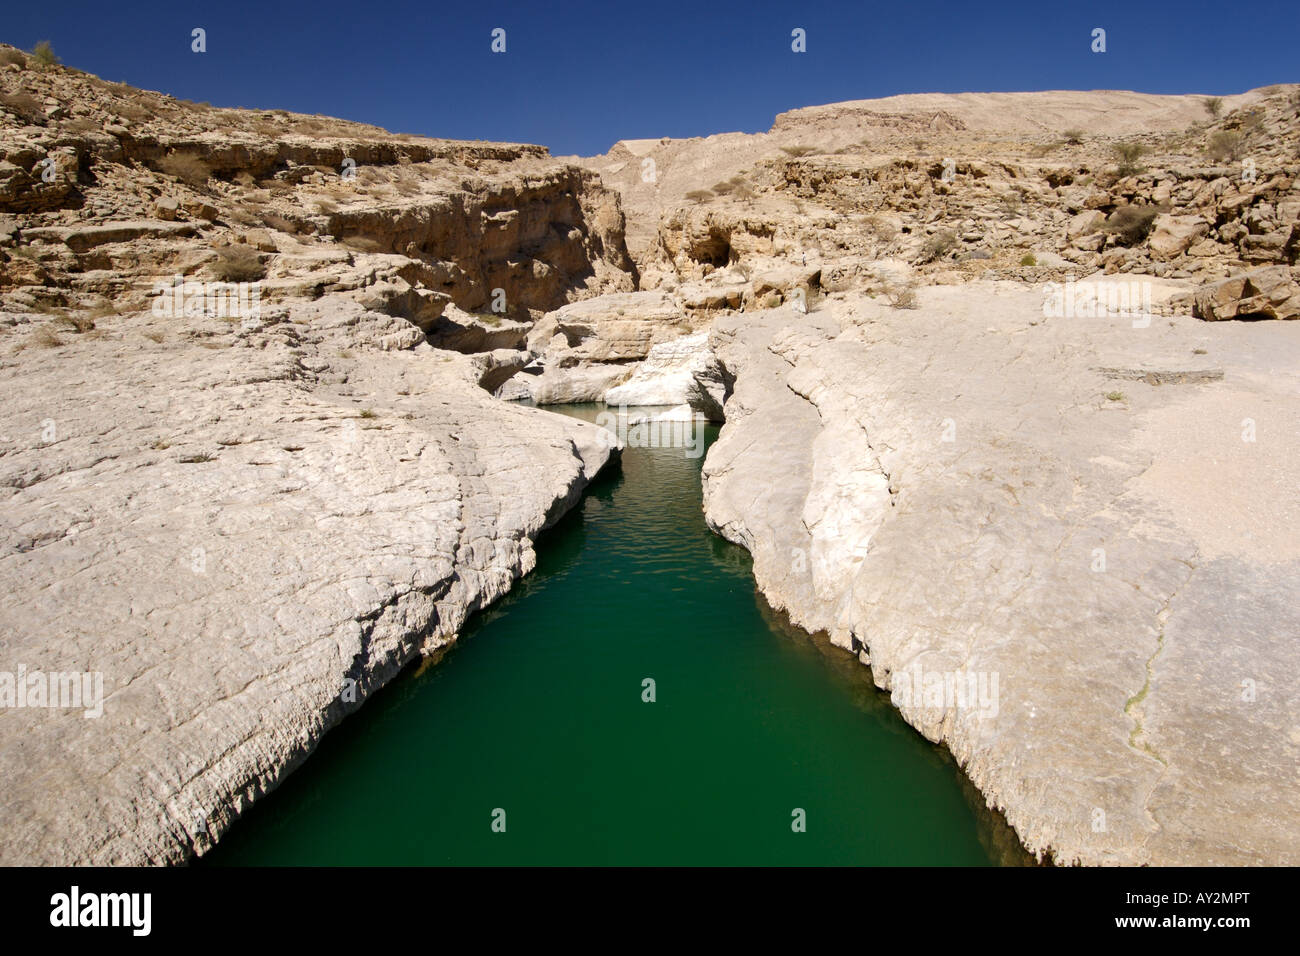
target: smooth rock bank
1068 547
245 540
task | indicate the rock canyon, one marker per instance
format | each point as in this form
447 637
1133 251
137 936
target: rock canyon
1008 391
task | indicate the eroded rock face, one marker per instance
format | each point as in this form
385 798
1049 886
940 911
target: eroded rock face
681 372
962 493
244 540
1271 293
247 473
584 349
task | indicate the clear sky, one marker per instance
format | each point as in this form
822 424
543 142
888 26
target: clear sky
578 75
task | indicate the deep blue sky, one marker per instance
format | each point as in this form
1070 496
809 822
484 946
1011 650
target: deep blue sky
579 75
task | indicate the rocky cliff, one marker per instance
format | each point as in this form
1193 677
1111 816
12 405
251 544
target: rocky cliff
243 499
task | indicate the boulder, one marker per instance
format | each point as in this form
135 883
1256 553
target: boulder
681 372
1171 236
1270 292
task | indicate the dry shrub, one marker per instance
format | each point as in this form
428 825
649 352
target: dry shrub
901 295
1130 224
23 105
796 151
1074 137
360 243
77 323
1128 154
187 167
45 338
280 223
13 58
882 227
939 245
1213 106
699 195
81 124
1225 146
238 263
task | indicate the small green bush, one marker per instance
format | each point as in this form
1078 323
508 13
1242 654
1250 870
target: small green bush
44 56
1128 155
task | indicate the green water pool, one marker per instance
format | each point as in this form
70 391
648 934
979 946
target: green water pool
532 741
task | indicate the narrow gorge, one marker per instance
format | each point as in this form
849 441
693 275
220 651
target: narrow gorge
1005 430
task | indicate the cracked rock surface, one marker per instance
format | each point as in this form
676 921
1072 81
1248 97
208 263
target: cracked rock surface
246 531
963 492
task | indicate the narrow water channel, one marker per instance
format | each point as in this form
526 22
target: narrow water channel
539 712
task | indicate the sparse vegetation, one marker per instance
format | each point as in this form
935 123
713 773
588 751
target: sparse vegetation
938 246
238 263
23 105
1128 154
1028 259
901 295
1115 396
45 338
43 55
367 413
699 195
1213 106
13 58
1073 137
1131 224
1225 146
78 323
796 151
187 167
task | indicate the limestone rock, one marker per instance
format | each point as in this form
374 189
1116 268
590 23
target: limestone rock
957 493
245 542
608 328
1271 292
681 372
1171 236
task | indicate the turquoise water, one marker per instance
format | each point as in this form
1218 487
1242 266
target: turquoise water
539 712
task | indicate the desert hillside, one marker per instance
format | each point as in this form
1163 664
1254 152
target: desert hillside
1006 389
